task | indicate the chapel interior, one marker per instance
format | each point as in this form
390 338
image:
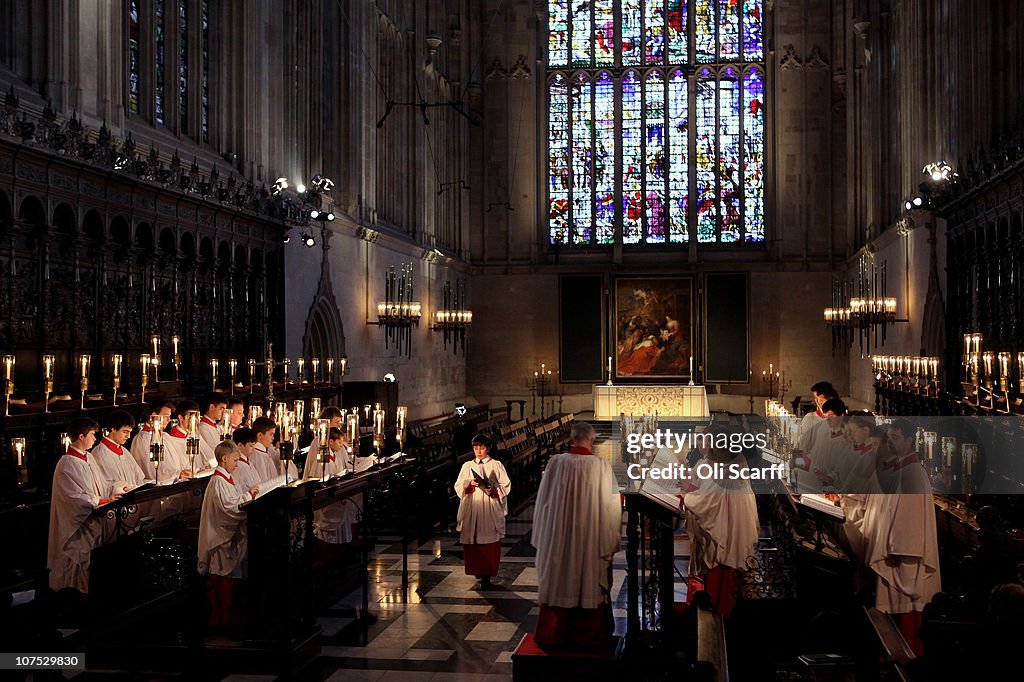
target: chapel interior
454 218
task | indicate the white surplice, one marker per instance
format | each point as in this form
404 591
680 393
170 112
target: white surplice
140 452
481 518
209 439
175 458
577 524
333 523
721 520
806 432
74 532
902 547
222 527
264 463
115 468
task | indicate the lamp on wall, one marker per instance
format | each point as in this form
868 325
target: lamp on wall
454 318
399 312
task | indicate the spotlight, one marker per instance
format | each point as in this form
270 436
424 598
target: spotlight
330 217
280 185
314 214
918 202
909 206
308 240
300 188
321 183
460 409
390 378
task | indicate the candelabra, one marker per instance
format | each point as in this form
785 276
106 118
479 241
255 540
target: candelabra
398 312
18 446
861 309
48 361
454 318
539 388
8 383
770 377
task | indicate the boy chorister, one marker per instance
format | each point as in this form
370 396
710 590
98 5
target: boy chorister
215 405
246 474
333 523
74 532
264 463
222 533
483 488
176 464
233 415
115 467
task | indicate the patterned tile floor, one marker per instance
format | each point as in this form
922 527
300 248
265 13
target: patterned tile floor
447 629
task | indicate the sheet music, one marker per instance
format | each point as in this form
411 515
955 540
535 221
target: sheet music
822 504
270 484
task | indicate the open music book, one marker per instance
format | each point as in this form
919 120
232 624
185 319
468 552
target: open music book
822 504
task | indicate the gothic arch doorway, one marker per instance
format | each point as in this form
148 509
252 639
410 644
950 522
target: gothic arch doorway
325 333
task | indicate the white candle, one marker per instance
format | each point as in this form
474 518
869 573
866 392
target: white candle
609 364
691 364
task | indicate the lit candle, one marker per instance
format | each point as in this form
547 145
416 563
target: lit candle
232 368
48 367
322 432
192 423
8 367
252 371
316 368
1004 365
378 423
609 364
987 359
214 366
353 428
934 362
300 410
344 366
85 360
174 344
116 360
65 441
157 424
314 408
691 364
144 359
156 346
19 451
330 369
300 366
400 415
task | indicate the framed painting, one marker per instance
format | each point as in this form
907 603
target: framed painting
653 327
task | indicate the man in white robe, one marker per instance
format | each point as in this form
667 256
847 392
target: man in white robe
76 493
115 467
577 527
483 487
222 533
723 526
902 542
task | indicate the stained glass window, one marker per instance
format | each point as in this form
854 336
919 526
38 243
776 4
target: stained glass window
133 57
183 66
205 84
160 64
670 141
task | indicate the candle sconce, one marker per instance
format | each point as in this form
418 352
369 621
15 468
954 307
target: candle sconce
352 426
314 412
192 437
771 377
18 447
323 430
8 383
48 361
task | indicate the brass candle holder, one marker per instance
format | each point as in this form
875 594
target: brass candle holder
314 411
323 429
284 425
192 437
252 375
145 361
378 428
175 341
286 363
85 360
352 426
401 413
299 408
8 383
156 358
18 446
156 445
48 362
115 360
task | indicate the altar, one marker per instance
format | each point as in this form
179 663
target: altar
665 400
